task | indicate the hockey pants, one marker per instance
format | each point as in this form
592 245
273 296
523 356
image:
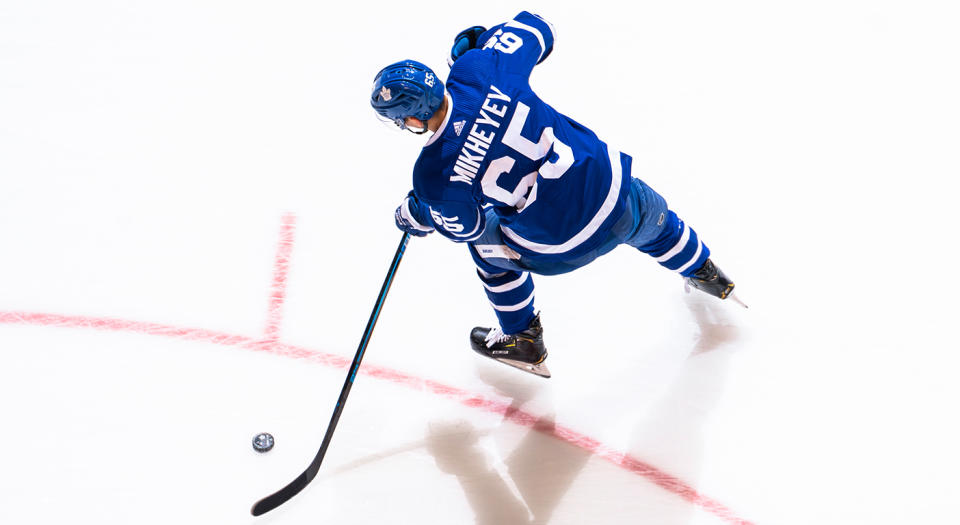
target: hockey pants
647 224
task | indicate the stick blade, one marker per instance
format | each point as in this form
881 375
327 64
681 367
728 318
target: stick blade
281 496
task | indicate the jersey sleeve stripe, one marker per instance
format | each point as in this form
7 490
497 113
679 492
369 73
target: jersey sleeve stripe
553 30
536 32
408 216
473 235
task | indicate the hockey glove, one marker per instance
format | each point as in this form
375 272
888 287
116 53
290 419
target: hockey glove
463 42
407 221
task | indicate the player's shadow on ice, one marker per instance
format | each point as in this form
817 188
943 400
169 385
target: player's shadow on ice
673 427
717 329
525 487
520 485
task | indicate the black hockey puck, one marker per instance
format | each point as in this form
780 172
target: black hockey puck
262 442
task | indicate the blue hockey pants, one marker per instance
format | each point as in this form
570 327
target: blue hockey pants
647 224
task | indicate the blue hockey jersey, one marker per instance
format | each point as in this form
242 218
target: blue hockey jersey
555 185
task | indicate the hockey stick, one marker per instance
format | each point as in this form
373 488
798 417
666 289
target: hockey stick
294 487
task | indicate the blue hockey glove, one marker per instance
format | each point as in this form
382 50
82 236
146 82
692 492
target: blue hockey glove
407 221
463 42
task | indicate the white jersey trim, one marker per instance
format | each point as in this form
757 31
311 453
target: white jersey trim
446 118
473 235
408 216
616 172
536 32
553 30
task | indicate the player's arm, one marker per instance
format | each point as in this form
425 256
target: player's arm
412 217
525 41
458 221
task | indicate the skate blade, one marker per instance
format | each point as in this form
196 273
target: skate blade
536 369
737 300
732 295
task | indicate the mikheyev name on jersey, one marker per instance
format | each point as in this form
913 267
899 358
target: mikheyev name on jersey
478 140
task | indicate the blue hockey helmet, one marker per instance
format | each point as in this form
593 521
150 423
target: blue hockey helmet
406 89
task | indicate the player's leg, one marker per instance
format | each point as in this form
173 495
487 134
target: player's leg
518 341
508 285
511 295
675 245
662 235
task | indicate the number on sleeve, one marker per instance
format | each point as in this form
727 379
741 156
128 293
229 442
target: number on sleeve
506 42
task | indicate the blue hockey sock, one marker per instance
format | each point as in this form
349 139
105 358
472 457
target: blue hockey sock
511 295
678 248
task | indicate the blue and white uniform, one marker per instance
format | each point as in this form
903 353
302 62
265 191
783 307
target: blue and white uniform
528 188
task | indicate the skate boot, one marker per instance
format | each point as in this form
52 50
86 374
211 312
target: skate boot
524 350
710 279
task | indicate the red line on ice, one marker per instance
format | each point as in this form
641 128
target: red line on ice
272 346
281 266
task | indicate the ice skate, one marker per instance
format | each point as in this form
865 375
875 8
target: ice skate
524 350
711 280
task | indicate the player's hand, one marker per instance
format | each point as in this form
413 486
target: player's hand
465 41
405 219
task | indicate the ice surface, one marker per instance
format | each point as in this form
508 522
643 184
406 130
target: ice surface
159 159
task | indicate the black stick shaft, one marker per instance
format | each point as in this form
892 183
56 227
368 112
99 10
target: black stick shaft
294 487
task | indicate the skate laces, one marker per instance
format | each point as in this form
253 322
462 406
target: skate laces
495 336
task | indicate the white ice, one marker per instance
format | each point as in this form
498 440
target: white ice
150 151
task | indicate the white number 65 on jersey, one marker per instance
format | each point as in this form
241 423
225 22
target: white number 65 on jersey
531 150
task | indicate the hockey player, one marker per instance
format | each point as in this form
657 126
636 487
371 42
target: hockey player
528 189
